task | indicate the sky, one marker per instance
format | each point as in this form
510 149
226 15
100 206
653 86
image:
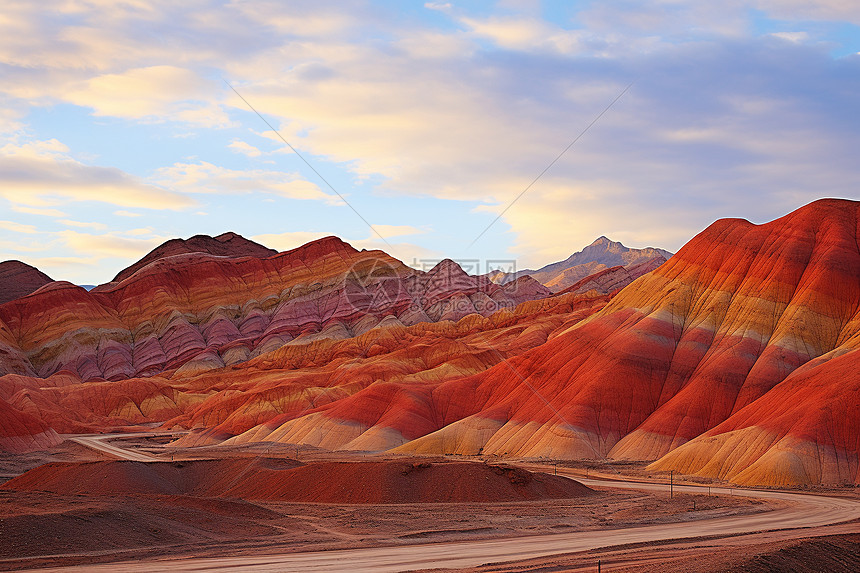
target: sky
120 127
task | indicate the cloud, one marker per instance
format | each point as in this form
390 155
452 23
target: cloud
828 10
18 227
439 6
152 92
245 148
727 116
795 37
524 34
108 245
206 177
83 225
38 211
124 213
61 266
707 126
39 175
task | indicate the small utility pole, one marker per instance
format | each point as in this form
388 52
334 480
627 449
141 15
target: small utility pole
598 566
671 484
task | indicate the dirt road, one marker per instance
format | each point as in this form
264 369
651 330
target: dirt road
802 511
100 443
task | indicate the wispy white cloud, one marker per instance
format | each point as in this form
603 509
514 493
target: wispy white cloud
108 245
721 111
38 211
18 227
154 92
205 177
440 6
245 148
83 224
39 175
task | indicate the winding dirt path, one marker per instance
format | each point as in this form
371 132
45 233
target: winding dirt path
99 442
802 511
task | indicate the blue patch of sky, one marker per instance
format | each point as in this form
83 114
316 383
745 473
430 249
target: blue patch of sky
564 14
843 37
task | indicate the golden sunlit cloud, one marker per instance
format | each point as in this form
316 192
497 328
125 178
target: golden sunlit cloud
245 149
83 225
39 175
468 110
155 91
204 177
109 244
38 211
18 227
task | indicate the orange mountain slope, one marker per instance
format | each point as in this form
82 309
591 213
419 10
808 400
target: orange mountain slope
710 337
735 359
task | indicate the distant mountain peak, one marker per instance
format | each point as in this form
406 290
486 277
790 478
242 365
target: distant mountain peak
19 279
227 244
228 236
602 240
600 254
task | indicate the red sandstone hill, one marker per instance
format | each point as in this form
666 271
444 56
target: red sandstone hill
18 279
369 482
736 359
194 312
741 349
224 245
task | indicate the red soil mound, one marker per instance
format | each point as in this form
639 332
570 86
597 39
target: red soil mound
210 478
409 482
370 482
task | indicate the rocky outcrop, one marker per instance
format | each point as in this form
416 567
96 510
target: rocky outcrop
19 279
224 245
